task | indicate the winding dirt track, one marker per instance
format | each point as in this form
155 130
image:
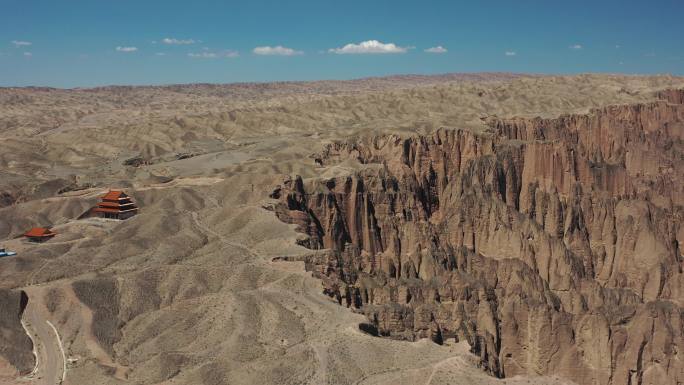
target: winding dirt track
50 358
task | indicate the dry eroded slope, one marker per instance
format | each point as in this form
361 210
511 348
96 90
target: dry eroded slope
187 292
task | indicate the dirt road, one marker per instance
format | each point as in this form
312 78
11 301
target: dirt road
50 358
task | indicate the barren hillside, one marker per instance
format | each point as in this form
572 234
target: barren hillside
458 229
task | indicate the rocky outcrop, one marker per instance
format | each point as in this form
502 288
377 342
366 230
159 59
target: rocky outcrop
16 344
550 245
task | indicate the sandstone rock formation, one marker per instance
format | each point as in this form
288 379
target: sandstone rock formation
485 247
553 246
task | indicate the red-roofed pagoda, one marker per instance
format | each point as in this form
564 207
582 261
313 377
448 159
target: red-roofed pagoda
39 234
116 204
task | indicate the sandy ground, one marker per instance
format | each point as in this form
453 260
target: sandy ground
198 298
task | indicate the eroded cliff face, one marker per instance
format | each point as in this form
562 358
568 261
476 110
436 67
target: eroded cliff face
16 345
553 246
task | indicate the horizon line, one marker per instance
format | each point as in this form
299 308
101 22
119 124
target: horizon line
349 80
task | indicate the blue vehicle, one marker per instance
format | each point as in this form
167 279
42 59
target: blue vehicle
5 253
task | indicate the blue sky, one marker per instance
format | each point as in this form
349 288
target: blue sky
73 43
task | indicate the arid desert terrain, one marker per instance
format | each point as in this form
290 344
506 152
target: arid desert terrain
456 229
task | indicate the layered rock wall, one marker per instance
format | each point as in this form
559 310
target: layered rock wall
550 245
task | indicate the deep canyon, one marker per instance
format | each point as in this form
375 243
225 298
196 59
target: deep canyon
550 245
453 229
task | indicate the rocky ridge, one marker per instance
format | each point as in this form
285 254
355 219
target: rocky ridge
550 245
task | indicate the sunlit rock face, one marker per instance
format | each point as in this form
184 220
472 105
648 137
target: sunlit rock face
553 246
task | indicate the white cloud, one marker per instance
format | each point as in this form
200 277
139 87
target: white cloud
510 53
204 55
213 55
126 49
438 49
369 46
160 54
21 43
277 50
576 46
170 40
28 54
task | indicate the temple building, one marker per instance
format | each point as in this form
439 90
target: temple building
39 234
116 204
